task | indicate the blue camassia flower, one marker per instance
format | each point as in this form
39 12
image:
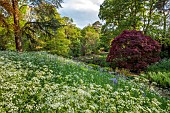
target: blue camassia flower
114 80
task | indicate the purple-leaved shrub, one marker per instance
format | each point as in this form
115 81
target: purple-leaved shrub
133 50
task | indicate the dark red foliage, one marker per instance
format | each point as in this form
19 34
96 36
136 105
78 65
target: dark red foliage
134 51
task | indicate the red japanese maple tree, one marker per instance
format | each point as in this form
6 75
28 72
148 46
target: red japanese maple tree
133 50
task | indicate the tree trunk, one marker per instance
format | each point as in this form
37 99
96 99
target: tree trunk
17 32
83 50
144 17
164 26
150 17
164 21
135 21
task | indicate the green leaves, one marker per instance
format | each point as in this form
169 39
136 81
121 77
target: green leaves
29 19
39 82
160 73
142 15
90 40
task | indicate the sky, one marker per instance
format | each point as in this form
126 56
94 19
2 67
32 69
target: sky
83 12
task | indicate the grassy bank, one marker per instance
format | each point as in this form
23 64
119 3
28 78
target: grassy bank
40 82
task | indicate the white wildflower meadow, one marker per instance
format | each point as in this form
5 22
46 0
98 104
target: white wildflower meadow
43 83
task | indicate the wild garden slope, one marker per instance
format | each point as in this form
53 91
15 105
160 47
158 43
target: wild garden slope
40 82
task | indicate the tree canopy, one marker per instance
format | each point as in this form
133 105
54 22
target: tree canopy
35 17
145 15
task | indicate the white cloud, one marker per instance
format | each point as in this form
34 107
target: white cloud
83 12
82 5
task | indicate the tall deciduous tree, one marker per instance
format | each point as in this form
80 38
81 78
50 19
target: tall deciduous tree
151 16
73 33
17 32
120 15
163 6
11 8
90 40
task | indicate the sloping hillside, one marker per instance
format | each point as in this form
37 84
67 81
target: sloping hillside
40 82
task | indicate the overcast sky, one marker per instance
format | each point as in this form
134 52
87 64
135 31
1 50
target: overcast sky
82 12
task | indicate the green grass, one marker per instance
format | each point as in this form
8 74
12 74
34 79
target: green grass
99 59
158 72
40 82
